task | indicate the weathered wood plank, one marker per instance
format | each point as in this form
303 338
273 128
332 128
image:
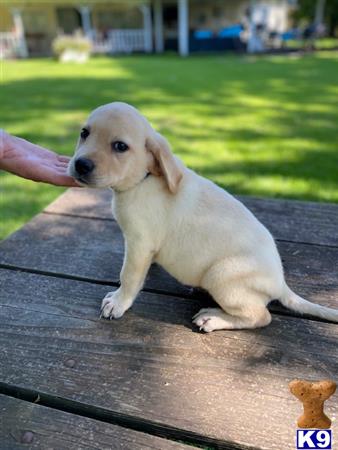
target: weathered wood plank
296 221
27 425
72 246
289 220
93 249
228 387
83 202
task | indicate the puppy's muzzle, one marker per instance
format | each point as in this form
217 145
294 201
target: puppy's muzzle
84 167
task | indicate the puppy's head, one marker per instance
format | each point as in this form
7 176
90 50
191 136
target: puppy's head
118 147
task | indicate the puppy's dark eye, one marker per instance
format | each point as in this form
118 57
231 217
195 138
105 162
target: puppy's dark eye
119 146
84 133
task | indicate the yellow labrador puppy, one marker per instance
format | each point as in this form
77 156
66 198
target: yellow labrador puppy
170 215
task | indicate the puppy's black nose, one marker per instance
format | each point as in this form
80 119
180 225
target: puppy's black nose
84 166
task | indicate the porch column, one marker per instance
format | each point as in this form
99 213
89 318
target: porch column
147 28
183 27
319 16
255 43
86 20
158 22
20 32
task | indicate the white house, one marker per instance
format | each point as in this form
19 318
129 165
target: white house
138 25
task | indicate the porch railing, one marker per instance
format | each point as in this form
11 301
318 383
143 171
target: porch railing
121 41
10 45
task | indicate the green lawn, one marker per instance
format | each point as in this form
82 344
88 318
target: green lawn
319 44
264 126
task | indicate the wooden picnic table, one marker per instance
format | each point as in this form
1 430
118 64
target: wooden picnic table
69 380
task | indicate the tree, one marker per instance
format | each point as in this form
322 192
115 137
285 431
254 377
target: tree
307 10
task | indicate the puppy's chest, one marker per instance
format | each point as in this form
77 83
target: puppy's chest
129 219
121 219
119 212
179 256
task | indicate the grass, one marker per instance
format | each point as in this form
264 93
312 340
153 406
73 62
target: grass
264 126
319 44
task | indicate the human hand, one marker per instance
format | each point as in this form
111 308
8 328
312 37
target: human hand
35 163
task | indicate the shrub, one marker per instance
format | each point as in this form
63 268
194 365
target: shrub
76 43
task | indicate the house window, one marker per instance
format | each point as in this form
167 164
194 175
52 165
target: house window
201 19
35 21
117 19
217 12
69 20
37 30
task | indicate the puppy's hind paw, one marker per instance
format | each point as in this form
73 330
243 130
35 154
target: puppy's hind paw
210 319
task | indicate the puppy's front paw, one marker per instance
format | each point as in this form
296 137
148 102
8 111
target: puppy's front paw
112 307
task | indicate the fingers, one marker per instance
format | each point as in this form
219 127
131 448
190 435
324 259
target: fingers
37 150
63 159
60 177
49 172
37 163
64 180
62 165
22 146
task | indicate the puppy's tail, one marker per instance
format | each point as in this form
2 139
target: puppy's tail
299 304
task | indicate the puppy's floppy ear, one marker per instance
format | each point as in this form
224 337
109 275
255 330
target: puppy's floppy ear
165 163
